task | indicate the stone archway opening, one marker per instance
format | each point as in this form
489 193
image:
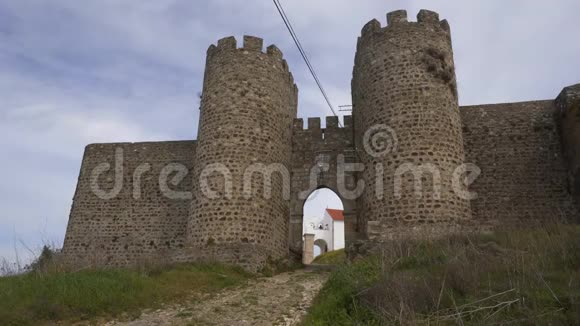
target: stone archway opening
320 247
322 224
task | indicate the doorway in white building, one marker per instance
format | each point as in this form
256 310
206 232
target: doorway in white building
320 247
323 218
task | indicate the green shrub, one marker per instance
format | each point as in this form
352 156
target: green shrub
336 303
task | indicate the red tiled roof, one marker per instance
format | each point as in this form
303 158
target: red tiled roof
336 214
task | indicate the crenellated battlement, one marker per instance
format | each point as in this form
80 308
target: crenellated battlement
315 123
314 137
427 42
398 18
251 44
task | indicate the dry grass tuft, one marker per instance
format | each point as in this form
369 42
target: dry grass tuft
519 276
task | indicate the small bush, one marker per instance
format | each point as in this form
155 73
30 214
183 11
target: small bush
336 303
46 261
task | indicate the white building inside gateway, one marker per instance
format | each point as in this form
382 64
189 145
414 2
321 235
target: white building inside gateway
326 233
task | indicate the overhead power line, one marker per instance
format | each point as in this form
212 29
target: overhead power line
303 54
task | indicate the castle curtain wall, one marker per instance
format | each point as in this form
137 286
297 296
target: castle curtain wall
523 171
524 176
140 223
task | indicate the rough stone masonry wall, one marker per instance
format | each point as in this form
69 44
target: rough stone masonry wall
568 117
523 172
132 227
404 79
315 145
249 102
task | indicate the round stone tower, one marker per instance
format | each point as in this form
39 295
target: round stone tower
407 127
248 105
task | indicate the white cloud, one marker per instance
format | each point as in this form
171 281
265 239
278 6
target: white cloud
45 118
56 126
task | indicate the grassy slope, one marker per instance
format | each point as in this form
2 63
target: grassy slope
523 276
335 257
34 297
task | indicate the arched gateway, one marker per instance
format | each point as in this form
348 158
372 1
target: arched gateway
323 224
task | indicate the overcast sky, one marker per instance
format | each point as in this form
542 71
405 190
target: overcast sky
74 72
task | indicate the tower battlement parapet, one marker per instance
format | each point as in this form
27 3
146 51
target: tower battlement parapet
251 44
398 19
315 123
315 137
428 39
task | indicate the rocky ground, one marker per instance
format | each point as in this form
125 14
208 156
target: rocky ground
279 300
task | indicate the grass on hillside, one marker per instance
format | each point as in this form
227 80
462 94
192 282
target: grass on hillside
35 297
335 257
518 277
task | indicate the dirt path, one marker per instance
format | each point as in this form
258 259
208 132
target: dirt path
279 300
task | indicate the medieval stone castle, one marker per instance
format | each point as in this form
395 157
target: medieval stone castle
528 156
